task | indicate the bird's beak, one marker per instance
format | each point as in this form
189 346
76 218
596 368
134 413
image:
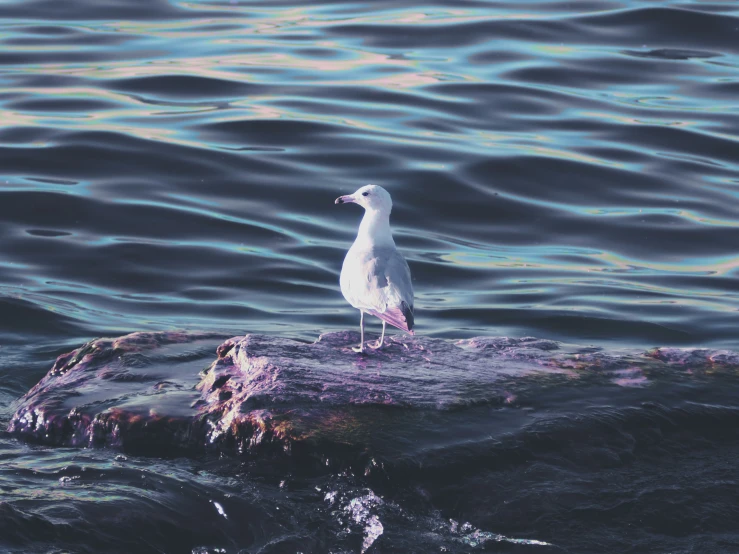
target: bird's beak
345 199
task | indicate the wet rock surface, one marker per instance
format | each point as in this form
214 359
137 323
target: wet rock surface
159 391
136 390
164 391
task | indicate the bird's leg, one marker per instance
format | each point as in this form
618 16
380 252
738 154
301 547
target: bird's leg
360 348
379 342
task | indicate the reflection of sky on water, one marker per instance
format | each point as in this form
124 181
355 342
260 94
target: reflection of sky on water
433 108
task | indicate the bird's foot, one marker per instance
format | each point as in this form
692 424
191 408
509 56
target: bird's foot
376 345
358 349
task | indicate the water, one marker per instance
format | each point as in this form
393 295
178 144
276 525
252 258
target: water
561 170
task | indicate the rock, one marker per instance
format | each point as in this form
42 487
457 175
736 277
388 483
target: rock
163 392
135 390
150 391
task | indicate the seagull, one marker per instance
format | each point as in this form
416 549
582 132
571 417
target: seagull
375 278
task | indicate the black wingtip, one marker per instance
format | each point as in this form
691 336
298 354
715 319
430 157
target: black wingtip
408 313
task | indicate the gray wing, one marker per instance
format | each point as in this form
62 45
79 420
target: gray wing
378 281
398 276
392 275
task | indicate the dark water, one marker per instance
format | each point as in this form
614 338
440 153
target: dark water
567 170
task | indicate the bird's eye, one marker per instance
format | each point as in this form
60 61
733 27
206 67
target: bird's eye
365 194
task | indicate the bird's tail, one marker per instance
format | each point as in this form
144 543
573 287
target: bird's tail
400 317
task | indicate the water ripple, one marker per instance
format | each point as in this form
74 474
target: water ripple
174 163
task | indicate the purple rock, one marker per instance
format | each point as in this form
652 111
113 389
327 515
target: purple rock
158 391
137 390
165 392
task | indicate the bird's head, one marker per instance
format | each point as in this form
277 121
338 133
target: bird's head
371 198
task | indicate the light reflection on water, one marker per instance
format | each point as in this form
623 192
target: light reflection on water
194 157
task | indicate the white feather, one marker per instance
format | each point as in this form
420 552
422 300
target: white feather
375 277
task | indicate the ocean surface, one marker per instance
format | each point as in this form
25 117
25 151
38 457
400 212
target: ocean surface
562 170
